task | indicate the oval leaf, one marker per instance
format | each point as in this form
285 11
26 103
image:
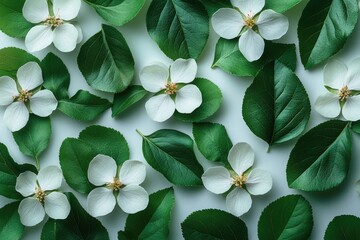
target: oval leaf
126 99
355 126
10 225
281 6
213 5
344 227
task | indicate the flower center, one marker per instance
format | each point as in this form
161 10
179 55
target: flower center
239 181
53 21
170 88
249 21
115 185
344 93
23 96
40 195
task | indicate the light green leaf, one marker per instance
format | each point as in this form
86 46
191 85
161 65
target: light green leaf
126 99
213 5
281 6
355 126
345 227
10 225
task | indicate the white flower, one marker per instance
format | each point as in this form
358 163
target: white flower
242 179
53 25
41 196
343 85
116 185
173 89
24 96
244 20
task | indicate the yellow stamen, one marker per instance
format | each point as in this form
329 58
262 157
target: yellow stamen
40 195
53 21
344 93
170 88
23 96
115 185
239 181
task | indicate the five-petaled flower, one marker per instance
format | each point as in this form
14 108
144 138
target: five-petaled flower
243 180
343 85
173 91
53 24
24 96
253 27
41 196
115 183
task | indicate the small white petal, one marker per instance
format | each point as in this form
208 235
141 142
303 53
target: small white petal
80 34
100 202
258 182
35 11
31 212
29 76
188 98
328 105
238 202
272 25
351 108
241 157
353 77
66 9
8 90
16 116
154 77
183 70
227 23
251 7
50 178
160 108
43 103
132 172
251 45
26 183
66 37
38 38
132 199
102 170
57 205
217 180
335 74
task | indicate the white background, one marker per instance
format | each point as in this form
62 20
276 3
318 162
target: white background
342 200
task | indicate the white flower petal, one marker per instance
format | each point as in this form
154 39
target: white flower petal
335 73
154 77
50 178
38 38
251 45
31 212
217 180
272 25
351 108
26 183
57 205
66 37
132 199
328 105
132 172
227 23
43 103
16 116
35 11
80 34
102 169
241 157
188 98
66 9
353 77
258 182
183 70
100 202
238 202
249 7
8 90
160 108
29 76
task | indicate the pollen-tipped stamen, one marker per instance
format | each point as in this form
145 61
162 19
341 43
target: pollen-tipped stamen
40 195
115 185
53 21
344 93
23 96
170 88
239 181
249 21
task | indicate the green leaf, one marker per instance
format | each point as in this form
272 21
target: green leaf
213 5
34 138
211 102
179 27
276 106
228 57
320 159
56 76
153 222
172 153
324 27
355 126
289 218
281 6
10 225
79 225
117 12
12 21
213 141
345 227
106 61
126 99
84 106
212 224
106 141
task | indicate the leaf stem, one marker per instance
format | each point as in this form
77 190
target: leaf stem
37 162
137 130
268 149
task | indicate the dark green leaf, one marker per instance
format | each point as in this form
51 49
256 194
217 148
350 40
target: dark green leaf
211 102
355 126
179 27
153 222
289 218
213 5
212 224
10 225
126 99
320 159
84 106
172 153
276 106
344 227
324 27
106 61
281 6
